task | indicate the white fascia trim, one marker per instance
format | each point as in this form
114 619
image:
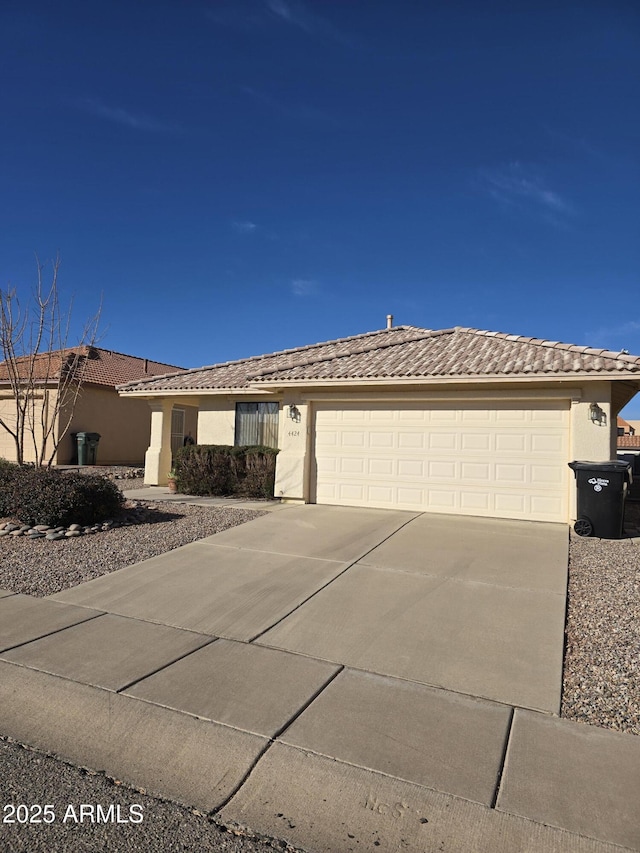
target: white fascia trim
202 392
539 378
570 394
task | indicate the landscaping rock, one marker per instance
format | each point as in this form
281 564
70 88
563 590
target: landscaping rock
135 514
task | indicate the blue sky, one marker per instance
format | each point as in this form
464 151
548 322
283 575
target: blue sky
239 177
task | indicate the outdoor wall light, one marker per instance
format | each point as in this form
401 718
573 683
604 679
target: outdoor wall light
597 415
294 412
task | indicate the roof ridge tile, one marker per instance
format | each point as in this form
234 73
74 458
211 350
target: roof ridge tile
423 333
632 359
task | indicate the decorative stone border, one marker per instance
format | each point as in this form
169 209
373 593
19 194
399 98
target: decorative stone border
44 531
135 513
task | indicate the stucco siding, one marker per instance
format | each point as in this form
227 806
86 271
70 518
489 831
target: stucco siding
294 443
592 441
122 423
7 444
217 421
8 414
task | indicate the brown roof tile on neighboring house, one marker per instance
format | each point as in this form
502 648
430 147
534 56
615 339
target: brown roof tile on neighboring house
628 441
96 366
403 352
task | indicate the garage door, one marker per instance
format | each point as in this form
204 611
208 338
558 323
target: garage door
502 461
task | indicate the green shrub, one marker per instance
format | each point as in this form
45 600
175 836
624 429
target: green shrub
204 469
8 473
46 496
225 471
259 472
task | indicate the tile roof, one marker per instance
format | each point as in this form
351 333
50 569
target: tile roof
97 366
628 441
404 352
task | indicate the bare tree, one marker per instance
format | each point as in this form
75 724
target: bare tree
41 374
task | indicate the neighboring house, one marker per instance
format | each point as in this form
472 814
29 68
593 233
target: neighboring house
629 451
624 427
123 424
453 421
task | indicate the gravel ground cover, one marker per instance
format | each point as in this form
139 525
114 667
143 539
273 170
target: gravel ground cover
42 568
601 679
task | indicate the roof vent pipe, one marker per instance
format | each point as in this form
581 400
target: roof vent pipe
389 321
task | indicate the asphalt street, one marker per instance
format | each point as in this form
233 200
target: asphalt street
128 821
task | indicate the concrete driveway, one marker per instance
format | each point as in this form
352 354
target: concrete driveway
472 605
335 677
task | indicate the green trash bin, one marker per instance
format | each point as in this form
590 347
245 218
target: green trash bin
87 447
81 446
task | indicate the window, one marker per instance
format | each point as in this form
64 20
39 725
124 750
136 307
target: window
257 423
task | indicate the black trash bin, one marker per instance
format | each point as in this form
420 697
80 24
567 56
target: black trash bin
87 447
602 491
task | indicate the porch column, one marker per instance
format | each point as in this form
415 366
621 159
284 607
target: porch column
157 460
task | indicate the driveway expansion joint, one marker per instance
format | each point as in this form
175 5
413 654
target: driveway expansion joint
349 565
166 665
304 707
275 738
97 615
503 759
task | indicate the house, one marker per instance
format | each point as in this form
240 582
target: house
629 451
452 421
123 424
624 427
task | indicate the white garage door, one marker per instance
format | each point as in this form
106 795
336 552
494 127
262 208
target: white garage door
472 459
